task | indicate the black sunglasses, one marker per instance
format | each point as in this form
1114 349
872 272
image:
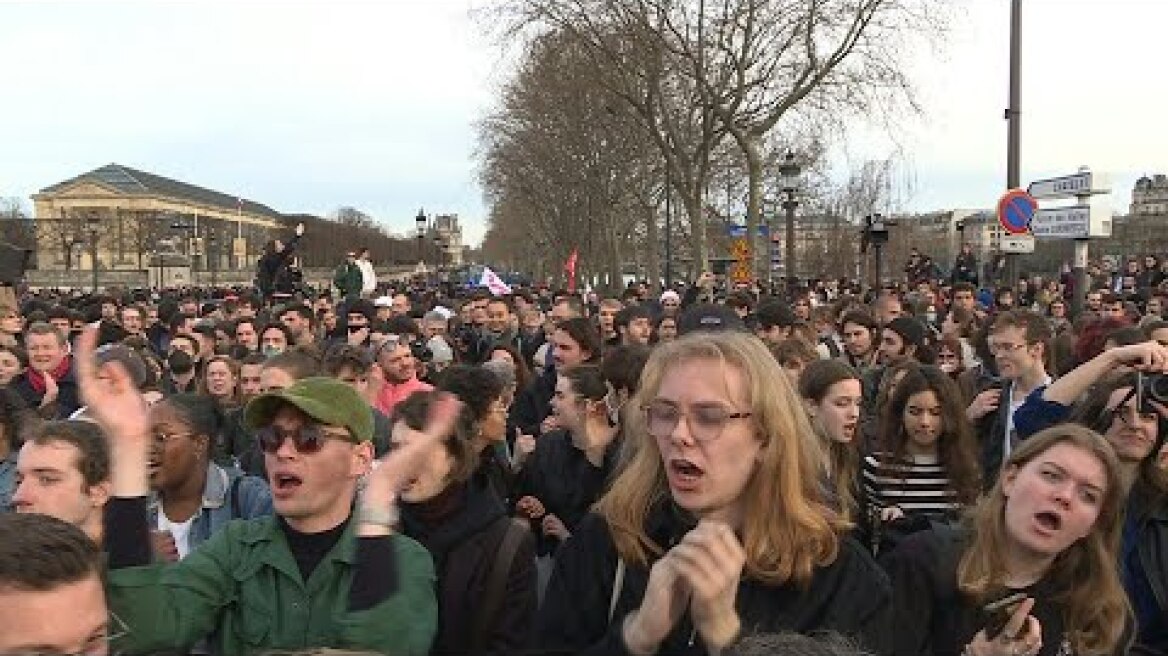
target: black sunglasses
310 438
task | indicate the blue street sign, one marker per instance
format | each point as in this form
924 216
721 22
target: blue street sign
737 231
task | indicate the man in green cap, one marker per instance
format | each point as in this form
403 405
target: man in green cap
328 570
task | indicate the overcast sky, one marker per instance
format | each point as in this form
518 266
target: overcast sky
306 106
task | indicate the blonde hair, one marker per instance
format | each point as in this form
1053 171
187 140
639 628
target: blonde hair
788 529
1084 574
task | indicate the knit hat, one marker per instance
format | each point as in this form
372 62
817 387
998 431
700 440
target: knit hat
325 400
670 295
912 331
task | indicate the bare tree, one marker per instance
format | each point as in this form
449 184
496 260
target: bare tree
352 216
560 165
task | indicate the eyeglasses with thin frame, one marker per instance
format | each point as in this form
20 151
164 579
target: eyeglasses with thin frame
705 422
998 349
309 438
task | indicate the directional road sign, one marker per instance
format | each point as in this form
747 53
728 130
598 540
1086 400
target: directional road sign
1015 209
1084 183
1075 222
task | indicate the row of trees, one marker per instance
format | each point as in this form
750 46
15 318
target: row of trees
624 111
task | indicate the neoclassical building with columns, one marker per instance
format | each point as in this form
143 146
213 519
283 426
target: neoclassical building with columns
134 221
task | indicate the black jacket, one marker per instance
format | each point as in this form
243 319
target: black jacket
534 404
851 596
932 617
68 395
463 533
565 482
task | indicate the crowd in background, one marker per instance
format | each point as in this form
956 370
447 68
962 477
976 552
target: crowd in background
931 467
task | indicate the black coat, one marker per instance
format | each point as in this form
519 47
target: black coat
68 395
932 617
464 541
850 596
565 482
534 404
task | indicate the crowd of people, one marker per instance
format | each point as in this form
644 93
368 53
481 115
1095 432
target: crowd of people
927 468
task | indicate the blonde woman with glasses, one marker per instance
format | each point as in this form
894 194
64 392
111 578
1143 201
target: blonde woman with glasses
717 524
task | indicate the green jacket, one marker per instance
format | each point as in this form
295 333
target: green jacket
244 583
348 280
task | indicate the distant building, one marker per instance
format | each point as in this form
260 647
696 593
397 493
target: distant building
448 236
131 220
1150 196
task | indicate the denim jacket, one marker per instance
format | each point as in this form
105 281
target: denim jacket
228 494
7 481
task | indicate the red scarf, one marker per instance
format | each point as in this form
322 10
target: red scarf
37 379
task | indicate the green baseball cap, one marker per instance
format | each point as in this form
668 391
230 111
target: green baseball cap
326 400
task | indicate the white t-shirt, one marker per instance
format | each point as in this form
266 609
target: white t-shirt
181 532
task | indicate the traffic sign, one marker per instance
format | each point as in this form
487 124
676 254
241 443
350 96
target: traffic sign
1084 183
1017 244
737 231
1075 222
1015 209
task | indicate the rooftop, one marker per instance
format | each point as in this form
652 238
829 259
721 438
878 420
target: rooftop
134 182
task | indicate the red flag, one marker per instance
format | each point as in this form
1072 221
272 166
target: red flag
570 267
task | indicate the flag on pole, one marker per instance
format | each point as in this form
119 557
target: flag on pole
570 267
493 282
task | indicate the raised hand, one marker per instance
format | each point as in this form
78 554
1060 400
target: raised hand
113 401
666 597
710 560
110 395
401 464
51 390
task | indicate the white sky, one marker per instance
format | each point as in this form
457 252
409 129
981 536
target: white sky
306 106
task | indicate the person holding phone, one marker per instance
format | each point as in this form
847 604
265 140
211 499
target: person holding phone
1032 571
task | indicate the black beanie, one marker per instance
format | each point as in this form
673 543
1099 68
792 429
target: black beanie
913 332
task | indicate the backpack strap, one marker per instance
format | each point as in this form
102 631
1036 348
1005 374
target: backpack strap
513 536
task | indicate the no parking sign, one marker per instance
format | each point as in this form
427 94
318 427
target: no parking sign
1015 210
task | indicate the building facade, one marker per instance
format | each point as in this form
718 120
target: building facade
1150 196
116 218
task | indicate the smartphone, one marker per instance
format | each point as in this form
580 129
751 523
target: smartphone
997 613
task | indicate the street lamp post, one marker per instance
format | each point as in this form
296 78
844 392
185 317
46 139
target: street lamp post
789 184
420 220
94 224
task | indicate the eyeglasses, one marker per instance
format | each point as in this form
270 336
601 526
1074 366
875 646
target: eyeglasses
998 349
1129 414
705 422
309 438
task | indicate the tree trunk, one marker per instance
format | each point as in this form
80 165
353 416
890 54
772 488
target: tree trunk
698 242
652 250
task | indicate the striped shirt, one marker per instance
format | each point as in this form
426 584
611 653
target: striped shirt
919 486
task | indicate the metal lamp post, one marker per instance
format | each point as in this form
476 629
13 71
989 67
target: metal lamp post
420 220
93 224
789 184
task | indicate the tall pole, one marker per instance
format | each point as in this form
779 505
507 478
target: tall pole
1014 119
668 230
789 246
